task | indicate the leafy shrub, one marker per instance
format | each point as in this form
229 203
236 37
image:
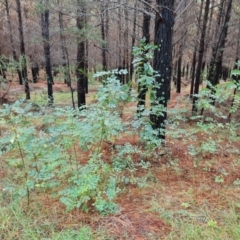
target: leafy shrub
51 150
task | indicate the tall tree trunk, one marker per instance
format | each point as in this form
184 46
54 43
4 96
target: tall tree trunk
35 72
86 61
183 71
120 62
80 68
179 73
209 33
47 52
66 61
126 44
34 69
215 47
63 48
187 71
238 42
133 37
3 67
200 55
12 43
22 50
163 61
236 78
104 37
142 88
146 23
222 42
194 60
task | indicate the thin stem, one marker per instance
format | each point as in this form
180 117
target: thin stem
25 172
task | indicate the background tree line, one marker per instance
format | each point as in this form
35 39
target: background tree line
194 38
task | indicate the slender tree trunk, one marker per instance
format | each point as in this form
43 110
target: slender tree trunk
174 72
238 42
66 61
104 37
217 35
179 73
80 68
183 71
63 48
70 80
120 62
187 71
146 24
202 69
12 43
142 88
194 61
222 42
47 53
86 62
163 61
209 34
3 67
126 44
193 70
200 55
133 37
34 69
236 78
22 50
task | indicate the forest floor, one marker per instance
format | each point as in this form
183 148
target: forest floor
181 200
13 91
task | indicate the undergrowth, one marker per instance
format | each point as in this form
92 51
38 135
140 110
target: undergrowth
75 157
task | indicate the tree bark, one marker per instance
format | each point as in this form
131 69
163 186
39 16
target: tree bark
181 70
120 62
63 48
22 50
200 55
86 61
80 68
163 61
126 44
215 48
34 69
104 37
187 71
142 88
209 33
194 60
47 52
133 38
12 43
223 40
179 73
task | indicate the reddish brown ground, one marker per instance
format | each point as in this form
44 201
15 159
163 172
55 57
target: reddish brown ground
12 91
172 187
